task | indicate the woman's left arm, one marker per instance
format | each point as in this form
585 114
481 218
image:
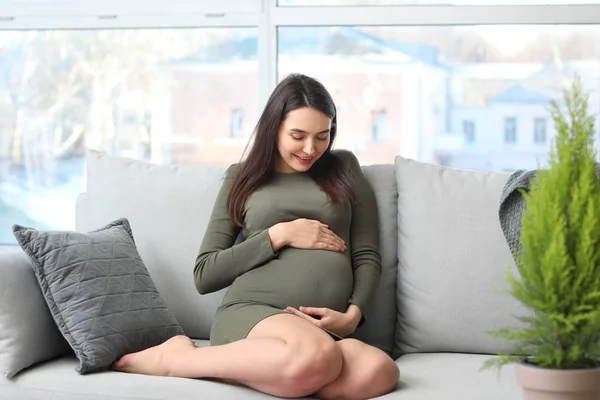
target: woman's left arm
364 240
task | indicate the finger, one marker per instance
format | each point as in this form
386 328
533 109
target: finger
320 223
326 233
335 237
335 242
328 246
339 240
321 312
299 313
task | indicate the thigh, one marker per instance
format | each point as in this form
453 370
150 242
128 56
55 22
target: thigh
291 329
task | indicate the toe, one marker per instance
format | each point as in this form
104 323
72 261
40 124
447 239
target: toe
120 364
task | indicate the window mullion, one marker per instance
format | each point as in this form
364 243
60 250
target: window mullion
267 53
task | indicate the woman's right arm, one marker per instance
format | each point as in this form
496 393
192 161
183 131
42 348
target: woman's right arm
220 261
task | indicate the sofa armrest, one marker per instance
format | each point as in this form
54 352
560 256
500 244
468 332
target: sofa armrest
28 334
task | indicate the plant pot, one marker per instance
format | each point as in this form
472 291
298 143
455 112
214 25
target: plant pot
558 384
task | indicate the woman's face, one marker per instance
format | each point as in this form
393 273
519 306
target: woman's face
303 138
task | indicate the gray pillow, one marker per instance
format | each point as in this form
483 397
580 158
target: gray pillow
99 292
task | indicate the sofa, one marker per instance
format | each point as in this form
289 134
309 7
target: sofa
443 259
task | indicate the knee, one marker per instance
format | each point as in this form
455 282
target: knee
312 366
382 377
389 373
378 375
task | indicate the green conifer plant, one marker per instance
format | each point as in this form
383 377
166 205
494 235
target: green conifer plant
558 278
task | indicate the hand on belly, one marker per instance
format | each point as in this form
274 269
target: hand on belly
340 323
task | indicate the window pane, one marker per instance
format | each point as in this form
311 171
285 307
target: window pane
469 131
303 3
540 126
465 97
166 96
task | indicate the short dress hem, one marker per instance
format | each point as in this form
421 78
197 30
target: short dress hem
235 321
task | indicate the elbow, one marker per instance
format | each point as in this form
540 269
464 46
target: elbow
370 258
203 286
202 289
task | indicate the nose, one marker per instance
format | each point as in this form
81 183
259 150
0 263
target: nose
309 147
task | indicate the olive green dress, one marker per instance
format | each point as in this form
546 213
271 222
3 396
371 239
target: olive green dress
263 283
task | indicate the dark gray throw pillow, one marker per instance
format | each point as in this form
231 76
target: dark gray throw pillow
99 292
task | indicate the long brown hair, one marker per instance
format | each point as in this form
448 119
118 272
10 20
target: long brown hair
295 91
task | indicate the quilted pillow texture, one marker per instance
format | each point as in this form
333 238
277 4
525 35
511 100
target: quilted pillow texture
99 292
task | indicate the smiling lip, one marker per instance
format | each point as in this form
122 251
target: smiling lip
303 161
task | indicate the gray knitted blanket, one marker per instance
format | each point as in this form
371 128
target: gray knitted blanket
512 205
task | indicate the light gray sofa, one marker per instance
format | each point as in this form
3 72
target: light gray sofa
443 258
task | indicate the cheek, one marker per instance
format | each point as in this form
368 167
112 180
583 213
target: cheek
288 146
322 145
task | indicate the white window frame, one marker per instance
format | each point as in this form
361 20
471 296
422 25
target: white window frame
268 17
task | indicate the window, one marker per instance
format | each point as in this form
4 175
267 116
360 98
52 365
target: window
539 130
153 94
469 131
379 126
483 78
510 130
235 123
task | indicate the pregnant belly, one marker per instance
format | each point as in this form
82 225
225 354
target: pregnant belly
315 278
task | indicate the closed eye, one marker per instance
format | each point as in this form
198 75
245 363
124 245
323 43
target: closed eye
318 138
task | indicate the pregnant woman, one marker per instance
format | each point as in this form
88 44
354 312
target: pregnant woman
302 279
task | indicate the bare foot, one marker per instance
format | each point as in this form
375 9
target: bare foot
155 360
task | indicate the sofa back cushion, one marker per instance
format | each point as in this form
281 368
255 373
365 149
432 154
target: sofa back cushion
379 328
452 258
168 207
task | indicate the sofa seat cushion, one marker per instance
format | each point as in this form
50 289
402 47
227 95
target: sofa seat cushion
430 376
453 376
58 380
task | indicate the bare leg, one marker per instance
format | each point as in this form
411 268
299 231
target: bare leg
367 373
283 355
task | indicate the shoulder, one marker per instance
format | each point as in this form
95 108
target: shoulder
347 157
232 171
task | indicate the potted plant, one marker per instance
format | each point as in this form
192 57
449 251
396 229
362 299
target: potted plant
556 347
